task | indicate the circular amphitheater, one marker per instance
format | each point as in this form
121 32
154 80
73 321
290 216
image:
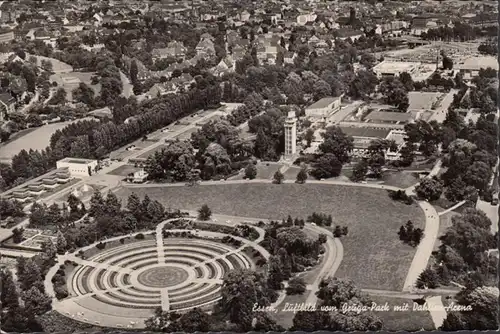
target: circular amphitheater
134 279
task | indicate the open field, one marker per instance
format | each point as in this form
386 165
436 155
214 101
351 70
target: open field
38 139
400 179
151 152
266 171
291 173
396 321
373 255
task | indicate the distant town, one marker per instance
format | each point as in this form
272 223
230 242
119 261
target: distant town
281 165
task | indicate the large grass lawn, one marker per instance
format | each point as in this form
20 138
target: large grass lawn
36 139
373 255
396 321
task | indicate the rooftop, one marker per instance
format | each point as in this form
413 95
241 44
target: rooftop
365 132
387 116
76 160
395 67
323 103
422 100
475 63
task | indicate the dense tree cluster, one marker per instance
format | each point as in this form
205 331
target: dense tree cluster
333 294
291 251
463 256
220 152
429 189
410 235
334 153
483 312
24 301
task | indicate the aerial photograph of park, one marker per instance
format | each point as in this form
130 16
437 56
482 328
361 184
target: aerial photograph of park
248 166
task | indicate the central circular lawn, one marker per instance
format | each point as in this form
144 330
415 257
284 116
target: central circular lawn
373 255
162 277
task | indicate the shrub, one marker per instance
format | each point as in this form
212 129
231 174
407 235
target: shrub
122 241
296 286
101 245
140 236
428 278
61 292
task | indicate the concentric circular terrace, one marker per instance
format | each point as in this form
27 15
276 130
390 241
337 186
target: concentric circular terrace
122 286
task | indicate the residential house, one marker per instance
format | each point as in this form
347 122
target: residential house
205 47
345 33
161 89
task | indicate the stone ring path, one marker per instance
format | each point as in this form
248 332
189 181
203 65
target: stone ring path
123 285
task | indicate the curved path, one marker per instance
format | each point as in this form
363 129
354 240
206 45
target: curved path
431 229
132 318
424 249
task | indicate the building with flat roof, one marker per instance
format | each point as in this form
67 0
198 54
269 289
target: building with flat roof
323 108
78 167
389 117
416 70
471 66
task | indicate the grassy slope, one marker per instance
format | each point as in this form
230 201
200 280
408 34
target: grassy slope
373 255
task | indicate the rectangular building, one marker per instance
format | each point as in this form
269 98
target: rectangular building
78 167
324 107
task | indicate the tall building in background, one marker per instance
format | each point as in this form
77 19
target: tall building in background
290 134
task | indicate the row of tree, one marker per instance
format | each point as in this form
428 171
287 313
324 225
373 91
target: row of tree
92 139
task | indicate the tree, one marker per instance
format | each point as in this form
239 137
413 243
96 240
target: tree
296 286
309 136
204 213
328 165
275 274
278 177
59 97
84 94
241 290
337 143
250 171
9 295
36 302
429 189
193 321
97 205
134 205
302 176
61 243
359 171
395 93
17 235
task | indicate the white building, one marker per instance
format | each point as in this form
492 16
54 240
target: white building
290 134
417 70
139 176
78 167
323 108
